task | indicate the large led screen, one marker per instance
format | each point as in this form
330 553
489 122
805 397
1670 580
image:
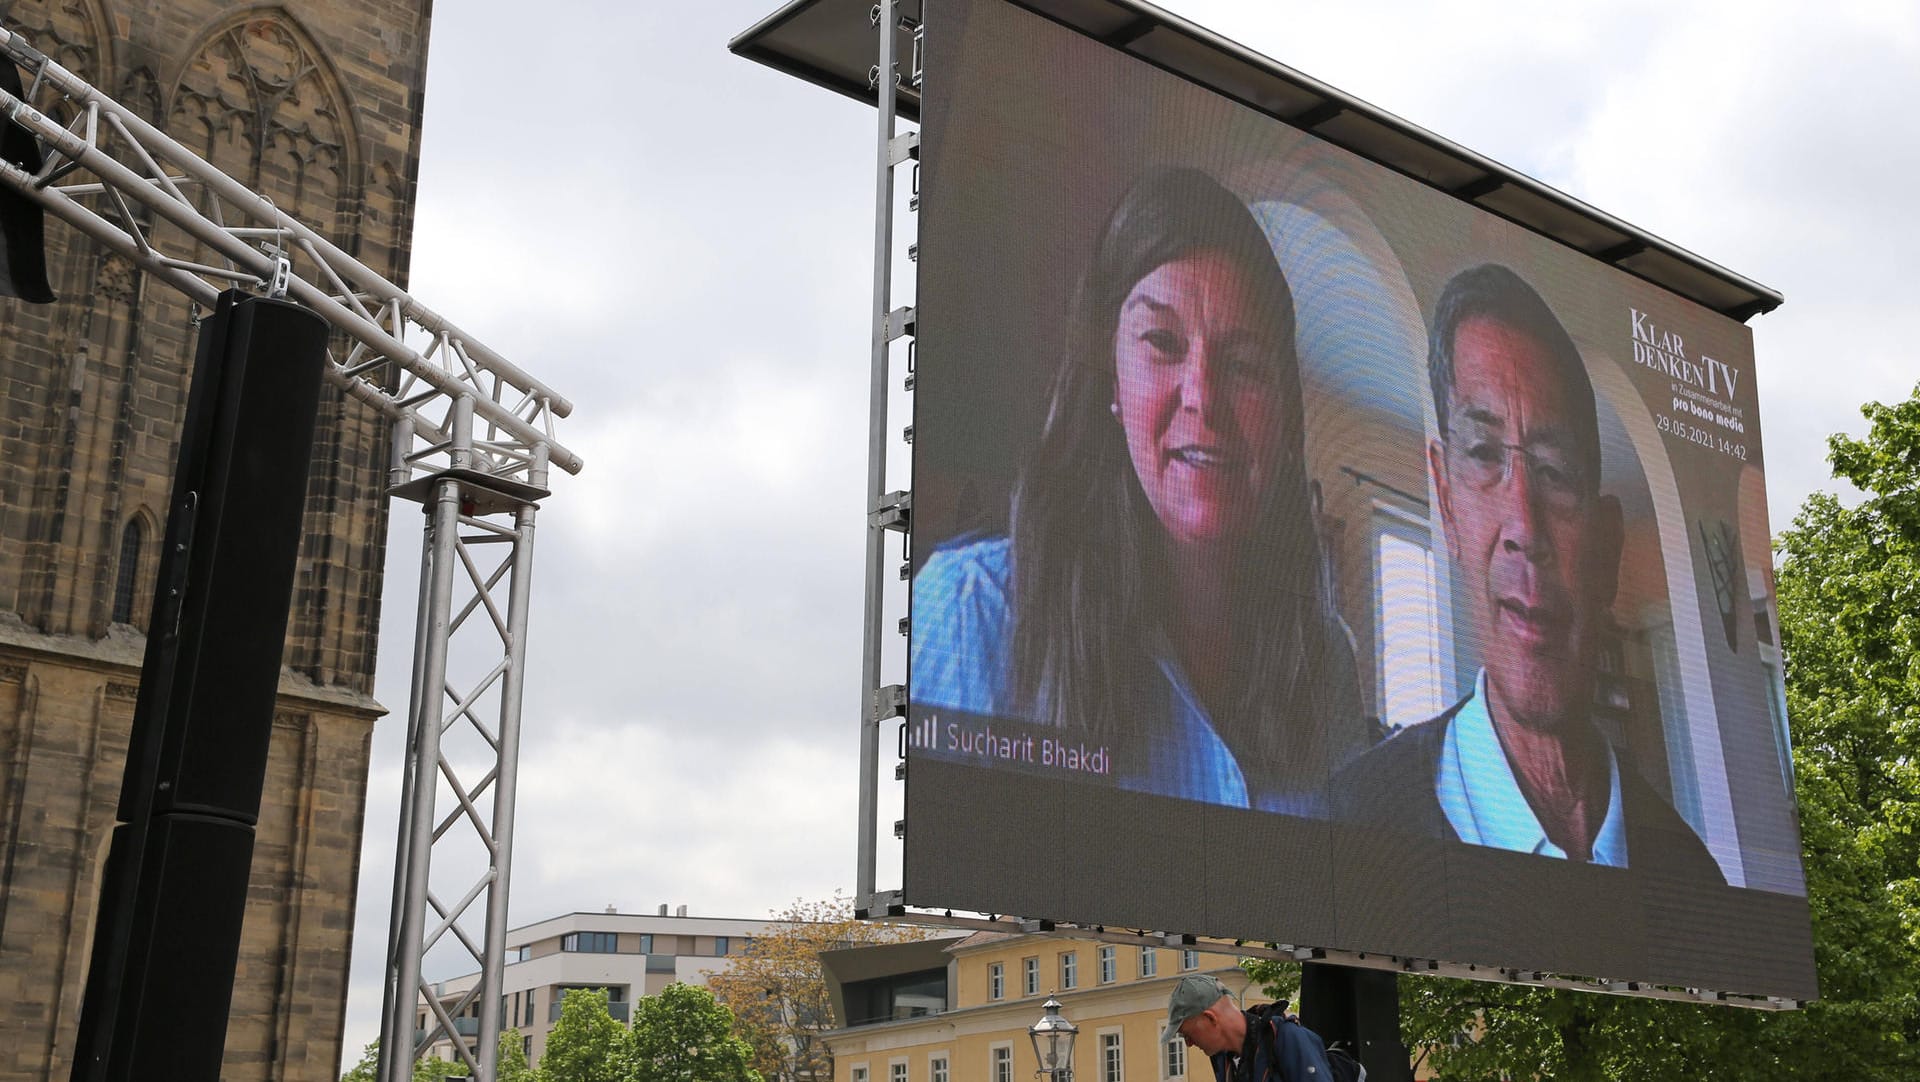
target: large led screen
1302 555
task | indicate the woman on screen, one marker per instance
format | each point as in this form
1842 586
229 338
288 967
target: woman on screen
1162 590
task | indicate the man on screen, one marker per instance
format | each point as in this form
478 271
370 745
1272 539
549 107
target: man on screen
1518 764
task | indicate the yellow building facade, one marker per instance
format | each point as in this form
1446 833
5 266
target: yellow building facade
898 1024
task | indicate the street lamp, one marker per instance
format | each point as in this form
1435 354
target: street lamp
1053 1042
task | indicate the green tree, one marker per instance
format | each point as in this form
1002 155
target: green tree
1850 623
586 1044
778 993
685 1035
1275 979
510 1065
430 1069
368 1068
1849 598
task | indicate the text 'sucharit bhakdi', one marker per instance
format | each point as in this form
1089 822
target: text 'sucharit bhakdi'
980 739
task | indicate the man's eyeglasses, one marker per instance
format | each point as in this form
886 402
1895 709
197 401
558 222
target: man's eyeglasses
1555 474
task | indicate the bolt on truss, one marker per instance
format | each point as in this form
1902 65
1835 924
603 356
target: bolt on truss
473 441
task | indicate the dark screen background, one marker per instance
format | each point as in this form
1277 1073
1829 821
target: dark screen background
1030 135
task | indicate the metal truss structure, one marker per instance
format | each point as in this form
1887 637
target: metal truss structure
473 441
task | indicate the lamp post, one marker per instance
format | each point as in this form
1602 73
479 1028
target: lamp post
1053 1042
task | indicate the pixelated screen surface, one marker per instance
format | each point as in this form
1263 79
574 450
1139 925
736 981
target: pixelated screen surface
1303 555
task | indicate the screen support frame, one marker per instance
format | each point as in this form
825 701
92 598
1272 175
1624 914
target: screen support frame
885 510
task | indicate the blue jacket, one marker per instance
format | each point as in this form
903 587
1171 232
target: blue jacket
1298 1053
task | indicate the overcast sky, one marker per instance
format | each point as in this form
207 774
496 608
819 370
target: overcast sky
679 240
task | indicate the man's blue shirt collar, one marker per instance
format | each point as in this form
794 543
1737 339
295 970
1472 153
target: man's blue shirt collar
1482 799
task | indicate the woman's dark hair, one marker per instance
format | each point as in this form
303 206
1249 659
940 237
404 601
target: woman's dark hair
1090 562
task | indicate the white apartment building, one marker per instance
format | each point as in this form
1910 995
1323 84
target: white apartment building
629 954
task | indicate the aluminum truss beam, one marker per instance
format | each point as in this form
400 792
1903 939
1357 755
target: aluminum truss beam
473 441
463 737
254 242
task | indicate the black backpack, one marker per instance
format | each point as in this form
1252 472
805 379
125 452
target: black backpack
1267 1016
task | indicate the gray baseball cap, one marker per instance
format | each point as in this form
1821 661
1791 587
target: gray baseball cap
1192 995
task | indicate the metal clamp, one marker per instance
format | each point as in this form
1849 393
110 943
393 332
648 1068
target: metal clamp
888 702
894 513
903 147
282 277
900 321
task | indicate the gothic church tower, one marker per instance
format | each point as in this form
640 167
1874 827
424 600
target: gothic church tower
316 104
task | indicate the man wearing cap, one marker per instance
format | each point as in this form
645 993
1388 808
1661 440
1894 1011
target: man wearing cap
1202 1013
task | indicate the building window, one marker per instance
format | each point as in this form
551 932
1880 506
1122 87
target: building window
526 1046
1000 1061
1070 969
1109 969
858 1074
1030 976
526 1006
1189 959
1149 961
522 953
720 946
897 1071
1110 1064
1407 612
646 943
1177 1058
590 942
996 981
132 539
937 1069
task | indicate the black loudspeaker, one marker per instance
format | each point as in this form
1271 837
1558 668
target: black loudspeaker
176 987
240 566
167 935
1359 1009
23 243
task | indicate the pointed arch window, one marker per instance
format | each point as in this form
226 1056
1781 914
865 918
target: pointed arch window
126 577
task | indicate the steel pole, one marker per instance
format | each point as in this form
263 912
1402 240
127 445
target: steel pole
396 1007
876 463
493 968
397 1065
